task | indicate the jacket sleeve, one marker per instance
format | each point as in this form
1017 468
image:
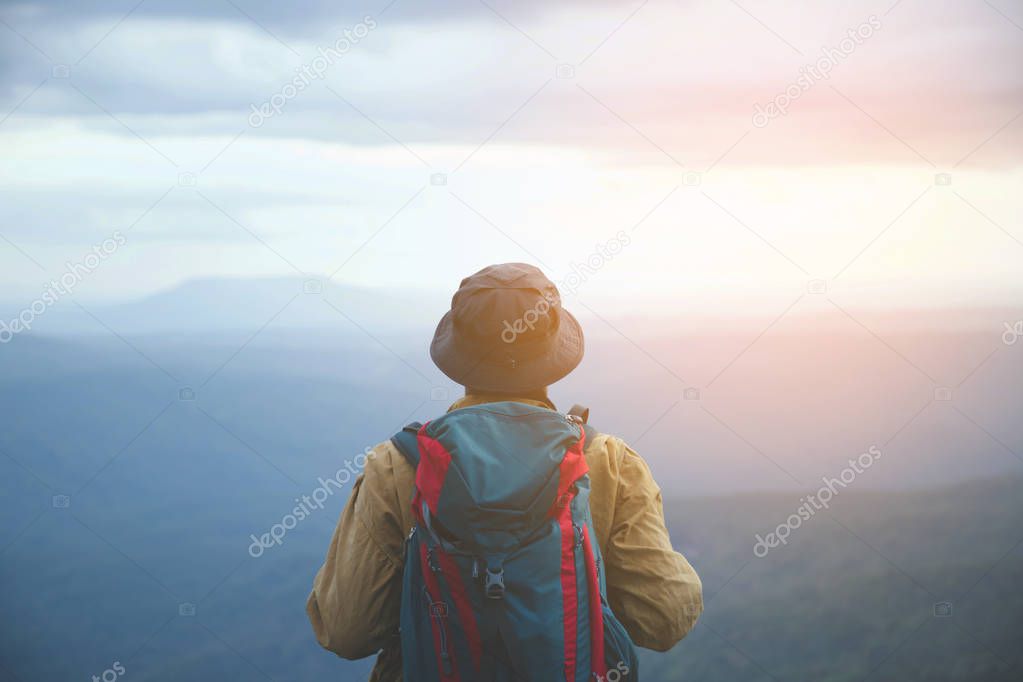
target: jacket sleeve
355 602
652 589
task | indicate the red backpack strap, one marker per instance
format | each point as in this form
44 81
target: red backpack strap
598 665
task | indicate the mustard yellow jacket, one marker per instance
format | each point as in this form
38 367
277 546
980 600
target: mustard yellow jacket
354 604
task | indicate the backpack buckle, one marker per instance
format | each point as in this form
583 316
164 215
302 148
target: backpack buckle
493 585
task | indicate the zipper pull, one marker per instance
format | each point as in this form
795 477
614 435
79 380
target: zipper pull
431 560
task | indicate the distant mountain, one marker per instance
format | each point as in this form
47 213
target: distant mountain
711 411
212 305
219 305
166 485
882 586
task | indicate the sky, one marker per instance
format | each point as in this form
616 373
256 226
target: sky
682 154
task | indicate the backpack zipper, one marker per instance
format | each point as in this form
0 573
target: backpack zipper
439 611
445 657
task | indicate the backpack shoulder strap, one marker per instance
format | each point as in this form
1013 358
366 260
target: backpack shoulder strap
590 432
581 414
405 441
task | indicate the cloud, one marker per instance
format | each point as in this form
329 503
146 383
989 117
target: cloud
301 19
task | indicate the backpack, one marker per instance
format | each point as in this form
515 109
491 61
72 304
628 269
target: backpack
503 578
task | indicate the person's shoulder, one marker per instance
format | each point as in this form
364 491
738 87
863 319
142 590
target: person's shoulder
384 484
385 459
387 469
611 451
600 441
605 448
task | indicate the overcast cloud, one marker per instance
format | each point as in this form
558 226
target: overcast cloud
106 106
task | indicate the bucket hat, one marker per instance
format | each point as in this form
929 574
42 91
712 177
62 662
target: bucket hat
506 331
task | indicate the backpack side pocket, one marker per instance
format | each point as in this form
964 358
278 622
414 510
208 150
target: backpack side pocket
619 651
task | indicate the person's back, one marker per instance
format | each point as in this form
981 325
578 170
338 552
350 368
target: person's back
355 604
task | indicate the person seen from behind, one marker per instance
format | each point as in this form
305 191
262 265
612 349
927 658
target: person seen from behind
504 540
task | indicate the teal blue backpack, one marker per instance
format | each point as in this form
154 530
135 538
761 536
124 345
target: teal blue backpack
503 578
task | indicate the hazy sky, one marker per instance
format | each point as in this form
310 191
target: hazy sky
554 130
